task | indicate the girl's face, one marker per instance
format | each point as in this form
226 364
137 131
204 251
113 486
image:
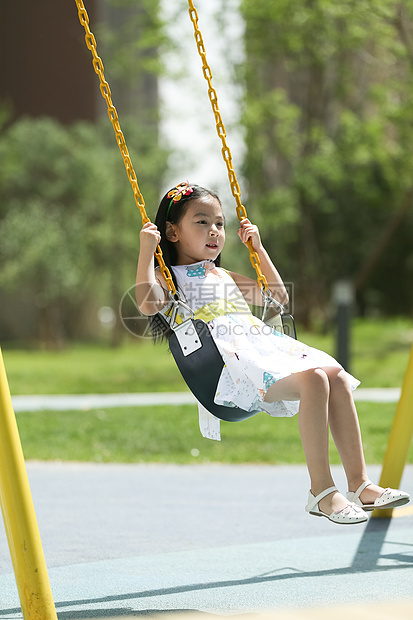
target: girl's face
199 234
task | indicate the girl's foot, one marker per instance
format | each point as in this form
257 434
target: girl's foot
370 493
334 502
332 505
370 496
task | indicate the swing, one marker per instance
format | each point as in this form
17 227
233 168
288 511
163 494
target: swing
191 343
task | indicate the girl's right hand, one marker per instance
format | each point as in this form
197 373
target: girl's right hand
150 237
248 231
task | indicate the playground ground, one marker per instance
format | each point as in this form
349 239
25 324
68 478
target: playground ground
131 540
128 540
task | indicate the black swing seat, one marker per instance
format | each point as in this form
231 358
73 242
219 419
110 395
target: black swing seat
201 368
201 364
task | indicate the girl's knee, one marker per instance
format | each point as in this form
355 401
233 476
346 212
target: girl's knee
337 378
316 379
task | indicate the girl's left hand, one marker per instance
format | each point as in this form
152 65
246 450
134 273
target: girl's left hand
249 231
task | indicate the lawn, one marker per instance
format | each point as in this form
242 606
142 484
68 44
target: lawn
170 434
380 352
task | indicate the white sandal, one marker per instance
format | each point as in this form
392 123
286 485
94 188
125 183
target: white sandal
348 515
390 498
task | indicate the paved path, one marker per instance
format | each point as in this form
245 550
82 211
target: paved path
132 539
95 401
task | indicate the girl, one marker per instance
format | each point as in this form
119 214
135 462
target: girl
263 371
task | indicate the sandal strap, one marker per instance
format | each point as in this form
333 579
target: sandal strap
314 500
361 489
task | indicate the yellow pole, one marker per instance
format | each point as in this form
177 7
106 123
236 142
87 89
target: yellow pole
20 520
399 439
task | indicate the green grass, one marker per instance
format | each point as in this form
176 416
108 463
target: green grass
380 351
138 366
171 434
379 348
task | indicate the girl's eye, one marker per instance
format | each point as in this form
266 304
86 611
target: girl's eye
220 224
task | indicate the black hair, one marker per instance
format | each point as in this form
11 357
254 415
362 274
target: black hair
170 211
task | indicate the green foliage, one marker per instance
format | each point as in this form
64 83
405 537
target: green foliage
131 37
328 113
68 221
44 208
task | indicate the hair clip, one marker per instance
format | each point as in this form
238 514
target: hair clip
182 189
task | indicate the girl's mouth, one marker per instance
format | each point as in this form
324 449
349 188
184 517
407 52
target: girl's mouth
213 246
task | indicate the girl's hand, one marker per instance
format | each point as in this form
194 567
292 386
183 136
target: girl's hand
249 231
149 238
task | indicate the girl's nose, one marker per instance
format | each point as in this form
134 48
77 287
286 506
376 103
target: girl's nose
214 231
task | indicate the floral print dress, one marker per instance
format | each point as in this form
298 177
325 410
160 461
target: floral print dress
255 355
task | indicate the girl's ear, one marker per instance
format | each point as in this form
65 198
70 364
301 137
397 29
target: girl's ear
171 233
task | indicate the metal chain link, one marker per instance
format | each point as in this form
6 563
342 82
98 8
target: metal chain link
226 153
113 116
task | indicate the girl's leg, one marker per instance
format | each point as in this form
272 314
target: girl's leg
345 430
345 427
312 387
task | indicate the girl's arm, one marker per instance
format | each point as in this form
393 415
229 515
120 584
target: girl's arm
250 288
151 296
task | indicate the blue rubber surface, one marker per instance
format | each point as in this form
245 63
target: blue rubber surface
131 539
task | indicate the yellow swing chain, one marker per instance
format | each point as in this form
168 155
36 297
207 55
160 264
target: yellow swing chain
226 153
113 116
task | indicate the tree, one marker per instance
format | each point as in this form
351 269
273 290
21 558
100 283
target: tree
328 113
68 222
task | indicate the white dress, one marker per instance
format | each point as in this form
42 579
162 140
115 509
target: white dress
255 355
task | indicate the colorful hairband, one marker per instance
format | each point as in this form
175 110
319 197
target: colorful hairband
182 189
